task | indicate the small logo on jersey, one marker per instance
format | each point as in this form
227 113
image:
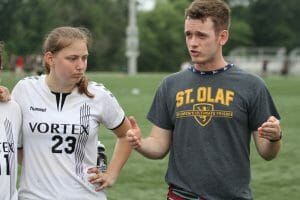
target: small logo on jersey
205 109
203 113
38 109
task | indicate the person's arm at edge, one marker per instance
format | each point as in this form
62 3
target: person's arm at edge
155 146
122 151
4 94
20 156
268 131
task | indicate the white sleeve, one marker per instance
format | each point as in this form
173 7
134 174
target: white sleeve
112 113
17 96
108 108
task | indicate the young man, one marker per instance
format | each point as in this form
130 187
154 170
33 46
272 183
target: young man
10 123
205 115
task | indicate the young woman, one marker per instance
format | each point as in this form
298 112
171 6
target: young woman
62 112
10 124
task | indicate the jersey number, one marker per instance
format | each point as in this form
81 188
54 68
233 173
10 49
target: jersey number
7 165
58 140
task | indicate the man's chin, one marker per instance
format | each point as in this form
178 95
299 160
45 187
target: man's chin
198 61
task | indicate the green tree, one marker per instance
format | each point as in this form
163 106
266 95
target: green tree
162 43
275 23
241 33
24 24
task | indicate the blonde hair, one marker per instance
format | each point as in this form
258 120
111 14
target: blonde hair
62 37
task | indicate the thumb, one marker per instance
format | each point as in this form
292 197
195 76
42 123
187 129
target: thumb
272 119
133 122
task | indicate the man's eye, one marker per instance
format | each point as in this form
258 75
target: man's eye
72 58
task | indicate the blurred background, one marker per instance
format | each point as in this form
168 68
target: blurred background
146 37
264 33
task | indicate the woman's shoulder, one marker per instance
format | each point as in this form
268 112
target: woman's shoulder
31 79
95 86
98 89
11 105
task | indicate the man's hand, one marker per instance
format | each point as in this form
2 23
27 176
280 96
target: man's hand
270 130
134 134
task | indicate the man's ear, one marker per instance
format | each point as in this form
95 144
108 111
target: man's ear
223 37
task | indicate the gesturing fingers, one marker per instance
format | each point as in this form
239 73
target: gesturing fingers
133 139
270 129
99 179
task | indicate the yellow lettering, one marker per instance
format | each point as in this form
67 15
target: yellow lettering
204 94
201 94
188 95
209 98
179 99
220 96
229 97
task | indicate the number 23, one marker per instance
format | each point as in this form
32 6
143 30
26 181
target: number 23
70 140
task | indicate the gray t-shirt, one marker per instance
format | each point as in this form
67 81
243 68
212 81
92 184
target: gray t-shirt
211 118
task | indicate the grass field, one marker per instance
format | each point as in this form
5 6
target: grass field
144 179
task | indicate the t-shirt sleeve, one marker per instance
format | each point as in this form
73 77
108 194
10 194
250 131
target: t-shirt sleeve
159 113
261 107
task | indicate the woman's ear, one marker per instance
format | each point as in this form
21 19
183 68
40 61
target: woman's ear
48 58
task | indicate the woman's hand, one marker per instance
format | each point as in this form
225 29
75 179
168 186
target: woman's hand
4 94
102 179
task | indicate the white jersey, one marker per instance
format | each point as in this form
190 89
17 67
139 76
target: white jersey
60 134
10 125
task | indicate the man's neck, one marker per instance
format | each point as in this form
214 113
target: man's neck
210 66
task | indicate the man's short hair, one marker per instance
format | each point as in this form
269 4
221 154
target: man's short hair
217 10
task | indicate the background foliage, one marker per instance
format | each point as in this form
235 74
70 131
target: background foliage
24 24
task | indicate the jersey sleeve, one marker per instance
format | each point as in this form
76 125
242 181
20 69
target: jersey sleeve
17 92
17 96
111 113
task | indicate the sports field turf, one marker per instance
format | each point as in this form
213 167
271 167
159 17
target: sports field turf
144 179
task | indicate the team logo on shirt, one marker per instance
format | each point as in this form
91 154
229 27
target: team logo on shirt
203 113
204 108
37 109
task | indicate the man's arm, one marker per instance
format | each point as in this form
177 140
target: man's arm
155 146
267 138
